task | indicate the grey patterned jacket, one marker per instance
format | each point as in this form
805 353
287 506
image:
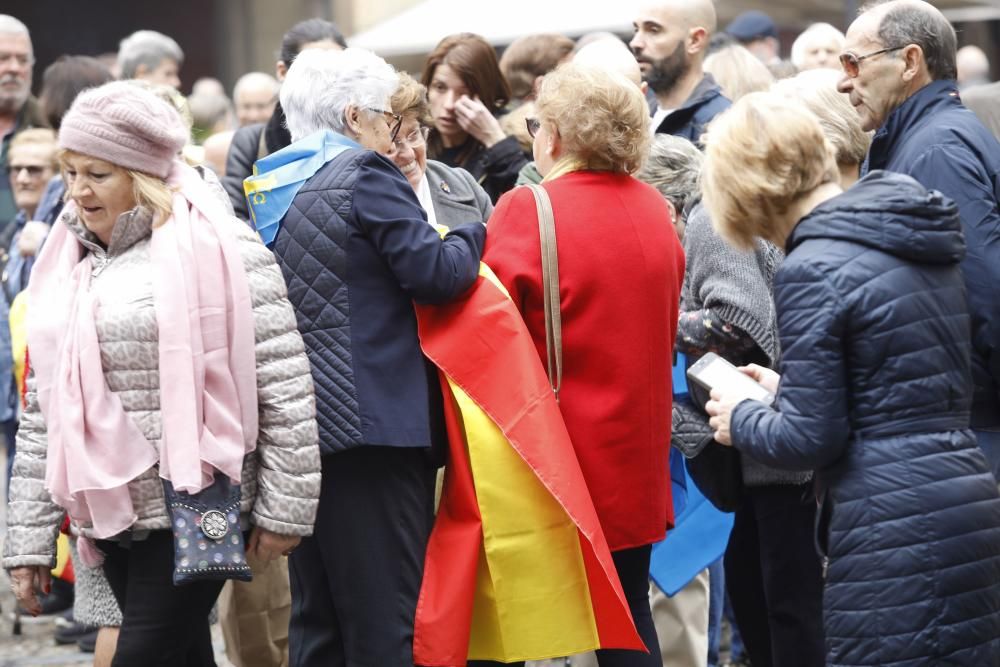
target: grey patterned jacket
281 479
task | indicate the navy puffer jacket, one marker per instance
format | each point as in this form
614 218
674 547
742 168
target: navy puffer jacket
875 396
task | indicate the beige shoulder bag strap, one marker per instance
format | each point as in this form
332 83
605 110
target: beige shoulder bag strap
550 287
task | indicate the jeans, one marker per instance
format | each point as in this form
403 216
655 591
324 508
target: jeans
716 603
162 624
9 432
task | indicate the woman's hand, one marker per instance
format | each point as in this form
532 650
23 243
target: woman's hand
765 377
720 411
26 582
477 120
267 546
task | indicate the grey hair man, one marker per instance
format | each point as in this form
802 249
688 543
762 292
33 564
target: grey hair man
151 56
255 95
670 42
18 110
899 73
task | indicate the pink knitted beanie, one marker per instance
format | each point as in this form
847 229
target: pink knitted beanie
125 125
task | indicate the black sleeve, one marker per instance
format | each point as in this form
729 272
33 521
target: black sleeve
239 165
499 166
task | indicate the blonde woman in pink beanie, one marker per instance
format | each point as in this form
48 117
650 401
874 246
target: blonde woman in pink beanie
164 353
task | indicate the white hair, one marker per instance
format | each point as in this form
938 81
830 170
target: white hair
321 83
253 79
149 48
612 55
817 32
11 26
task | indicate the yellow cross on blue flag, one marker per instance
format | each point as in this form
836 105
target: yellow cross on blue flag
277 178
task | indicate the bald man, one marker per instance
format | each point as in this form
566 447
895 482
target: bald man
670 41
255 95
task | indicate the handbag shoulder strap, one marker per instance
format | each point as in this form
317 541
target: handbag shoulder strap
550 287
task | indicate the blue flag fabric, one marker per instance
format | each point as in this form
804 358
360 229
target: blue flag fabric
278 177
701 532
699 538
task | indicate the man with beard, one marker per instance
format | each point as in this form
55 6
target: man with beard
18 110
670 41
899 65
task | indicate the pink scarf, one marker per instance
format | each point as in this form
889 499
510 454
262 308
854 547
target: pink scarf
208 379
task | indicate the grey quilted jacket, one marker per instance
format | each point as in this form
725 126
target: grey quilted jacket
281 479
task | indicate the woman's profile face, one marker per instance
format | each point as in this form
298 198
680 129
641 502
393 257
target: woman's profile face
102 192
409 151
445 90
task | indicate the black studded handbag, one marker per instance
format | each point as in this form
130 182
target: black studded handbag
208 541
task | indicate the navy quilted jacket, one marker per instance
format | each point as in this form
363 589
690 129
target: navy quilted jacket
875 396
356 252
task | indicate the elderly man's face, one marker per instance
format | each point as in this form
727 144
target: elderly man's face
879 86
255 103
659 45
16 61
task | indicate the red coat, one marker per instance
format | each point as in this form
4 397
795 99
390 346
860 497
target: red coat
620 272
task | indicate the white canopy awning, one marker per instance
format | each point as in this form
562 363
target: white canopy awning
417 30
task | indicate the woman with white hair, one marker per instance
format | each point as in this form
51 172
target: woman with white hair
357 252
818 47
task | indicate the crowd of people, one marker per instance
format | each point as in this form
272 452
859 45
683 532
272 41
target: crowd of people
214 299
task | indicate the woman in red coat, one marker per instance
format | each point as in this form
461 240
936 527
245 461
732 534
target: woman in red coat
620 273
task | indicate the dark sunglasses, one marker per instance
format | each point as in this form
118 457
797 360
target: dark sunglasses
533 125
34 171
852 63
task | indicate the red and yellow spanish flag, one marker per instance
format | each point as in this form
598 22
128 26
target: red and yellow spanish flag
517 565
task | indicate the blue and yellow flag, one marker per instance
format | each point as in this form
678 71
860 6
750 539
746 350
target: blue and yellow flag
277 178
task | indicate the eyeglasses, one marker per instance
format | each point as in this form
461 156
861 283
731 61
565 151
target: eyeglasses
414 139
34 171
852 63
533 125
394 124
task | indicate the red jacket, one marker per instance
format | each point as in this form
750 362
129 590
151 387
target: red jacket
620 272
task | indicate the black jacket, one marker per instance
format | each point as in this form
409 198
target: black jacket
250 144
495 168
875 396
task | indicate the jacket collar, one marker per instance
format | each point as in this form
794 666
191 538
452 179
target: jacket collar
706 91
919 108
130 228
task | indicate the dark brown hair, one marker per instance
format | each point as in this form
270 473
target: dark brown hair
66 78
475 62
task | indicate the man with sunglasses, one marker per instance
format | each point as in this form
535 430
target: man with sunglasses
899 72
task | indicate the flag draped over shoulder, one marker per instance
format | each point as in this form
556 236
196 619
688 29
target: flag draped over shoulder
278 177
517 565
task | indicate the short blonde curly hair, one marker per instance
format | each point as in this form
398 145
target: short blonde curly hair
761 156
602 117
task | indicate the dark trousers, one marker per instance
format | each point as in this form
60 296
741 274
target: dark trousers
633 571
355 582
774 577
162 624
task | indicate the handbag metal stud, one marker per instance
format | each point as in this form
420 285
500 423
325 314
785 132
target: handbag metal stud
214 524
